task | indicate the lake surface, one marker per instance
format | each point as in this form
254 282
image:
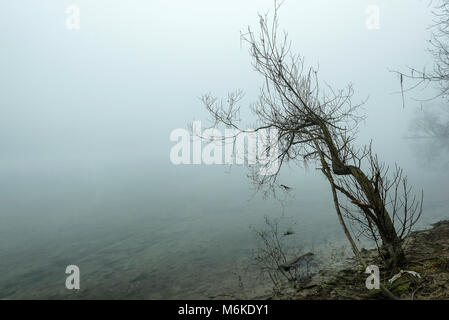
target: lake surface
154 232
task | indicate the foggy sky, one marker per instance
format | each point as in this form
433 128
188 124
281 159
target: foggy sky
86 115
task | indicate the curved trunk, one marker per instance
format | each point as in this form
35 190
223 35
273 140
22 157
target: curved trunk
393 252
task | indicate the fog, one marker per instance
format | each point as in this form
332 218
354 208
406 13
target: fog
86 116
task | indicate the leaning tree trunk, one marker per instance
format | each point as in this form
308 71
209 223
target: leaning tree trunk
393 252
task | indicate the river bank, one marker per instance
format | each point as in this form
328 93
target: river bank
427 252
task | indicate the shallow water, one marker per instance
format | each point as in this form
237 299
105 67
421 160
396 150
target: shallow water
145 233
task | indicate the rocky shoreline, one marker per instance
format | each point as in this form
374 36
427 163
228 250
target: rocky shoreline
427 252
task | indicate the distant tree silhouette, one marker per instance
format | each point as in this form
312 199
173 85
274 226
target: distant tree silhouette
433 123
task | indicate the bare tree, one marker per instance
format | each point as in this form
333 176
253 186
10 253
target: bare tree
319 126
435 123
439 50
429 133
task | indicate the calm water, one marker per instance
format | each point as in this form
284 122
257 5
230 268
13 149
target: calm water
147 232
